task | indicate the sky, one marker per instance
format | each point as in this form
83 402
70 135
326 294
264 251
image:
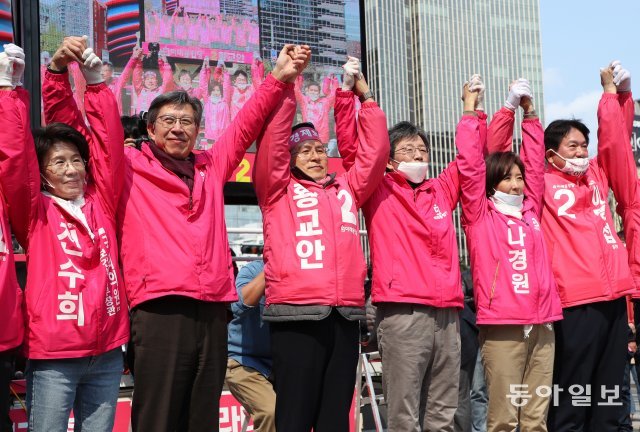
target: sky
578 38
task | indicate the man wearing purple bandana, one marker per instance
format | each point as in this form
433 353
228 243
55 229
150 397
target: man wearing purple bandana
314 265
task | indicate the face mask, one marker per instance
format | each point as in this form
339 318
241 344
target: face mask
314 97
508 199
241 86
415 172
215 99
46 182
573 166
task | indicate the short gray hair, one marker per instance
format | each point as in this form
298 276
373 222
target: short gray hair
178 97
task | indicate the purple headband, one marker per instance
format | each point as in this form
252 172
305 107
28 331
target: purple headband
303 134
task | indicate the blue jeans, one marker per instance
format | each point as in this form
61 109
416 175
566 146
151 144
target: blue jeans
89 385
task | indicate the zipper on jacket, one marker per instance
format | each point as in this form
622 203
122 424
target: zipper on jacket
335 243
493 285
190 200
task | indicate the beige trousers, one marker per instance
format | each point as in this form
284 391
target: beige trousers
517 365
255 393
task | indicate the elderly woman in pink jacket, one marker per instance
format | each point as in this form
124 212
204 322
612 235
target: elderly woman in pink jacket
515 292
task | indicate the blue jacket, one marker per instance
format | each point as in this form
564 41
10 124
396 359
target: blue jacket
249 340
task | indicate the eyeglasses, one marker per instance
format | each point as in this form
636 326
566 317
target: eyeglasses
169 121
60 166
412 150
306 153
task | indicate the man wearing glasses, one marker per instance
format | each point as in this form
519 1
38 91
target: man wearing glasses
416 281
175 253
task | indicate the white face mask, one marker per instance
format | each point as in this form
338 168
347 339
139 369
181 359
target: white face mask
215 99
415 172
314 97
573 166
508 199
241 86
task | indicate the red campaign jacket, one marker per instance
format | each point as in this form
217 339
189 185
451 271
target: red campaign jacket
512 278
588 259
412 237
616 112
173 242
11 313
75 300
312 244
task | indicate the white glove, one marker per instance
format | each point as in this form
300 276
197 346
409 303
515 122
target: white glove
476 84
92 67
351 70
517 90
220 60
6 70
16 54
621 77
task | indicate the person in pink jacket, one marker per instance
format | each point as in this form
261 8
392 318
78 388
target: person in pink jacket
416 275
145 83
216 114
11 314
175 254
11 311
590 265
514 289
62 195
239 90
314 265
314 106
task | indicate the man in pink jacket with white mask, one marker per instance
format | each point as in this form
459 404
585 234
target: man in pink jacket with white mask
416 273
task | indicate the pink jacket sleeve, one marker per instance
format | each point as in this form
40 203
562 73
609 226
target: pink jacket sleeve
500 133
20 176
79 85
245 127
167 76
121 81
532 156
106 146
227 88
271 173
298 85
372 152
257 73
136 79
472 170
203 84
59 104
628 110
346 128
614 152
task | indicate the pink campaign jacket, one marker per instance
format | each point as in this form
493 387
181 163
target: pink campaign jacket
174 243
312 244
75 301
512 278
615 116
411 233
11 313
588 259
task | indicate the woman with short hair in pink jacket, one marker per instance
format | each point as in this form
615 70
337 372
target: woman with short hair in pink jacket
62 195
514 289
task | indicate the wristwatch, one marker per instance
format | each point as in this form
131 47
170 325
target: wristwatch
368 95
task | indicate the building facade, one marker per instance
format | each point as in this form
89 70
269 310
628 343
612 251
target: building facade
420 52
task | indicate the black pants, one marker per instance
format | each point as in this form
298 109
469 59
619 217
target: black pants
314 363
590 349
181 358
6 373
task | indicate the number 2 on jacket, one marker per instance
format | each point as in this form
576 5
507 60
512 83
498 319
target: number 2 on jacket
347 215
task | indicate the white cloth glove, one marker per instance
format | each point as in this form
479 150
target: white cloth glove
16 54
476 84
92 67
351 71
6 70
621 77
517 90
220 60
